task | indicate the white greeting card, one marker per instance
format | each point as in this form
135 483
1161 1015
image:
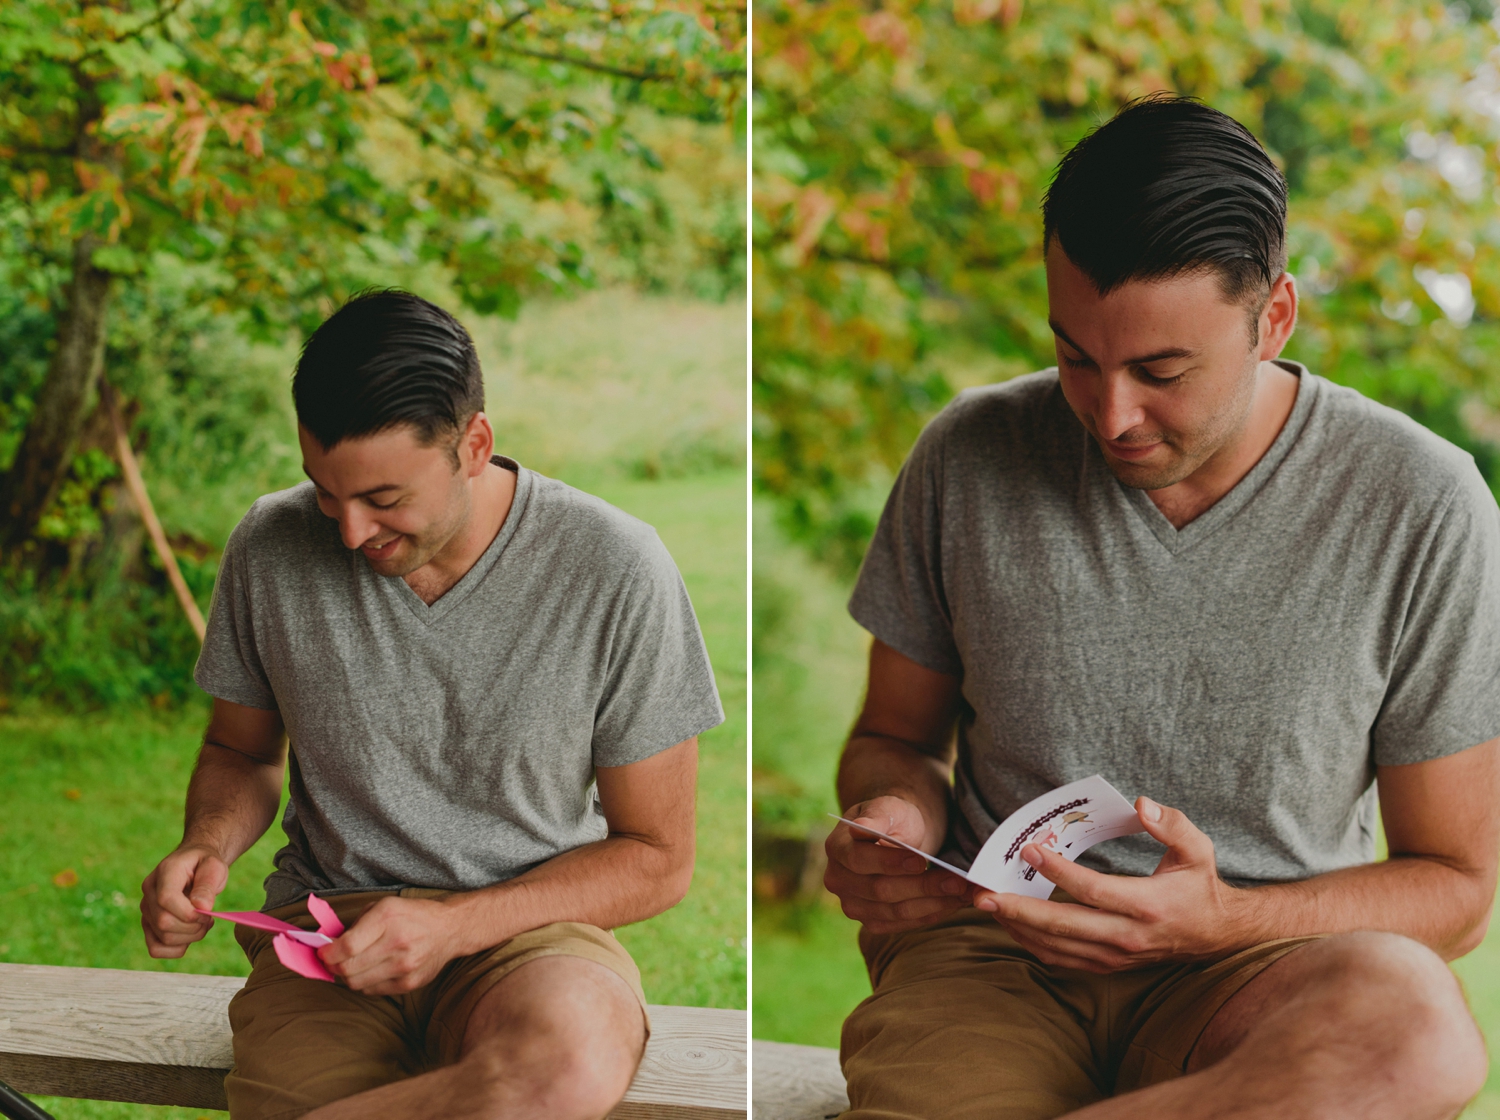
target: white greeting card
1069 820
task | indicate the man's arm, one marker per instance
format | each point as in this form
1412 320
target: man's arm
644 866
231 801
895 775
1437 887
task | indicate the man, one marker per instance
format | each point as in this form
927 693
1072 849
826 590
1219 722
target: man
493 685
1230 587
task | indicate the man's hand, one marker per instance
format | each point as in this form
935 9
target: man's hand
1182 912
398 945
192 876
886 888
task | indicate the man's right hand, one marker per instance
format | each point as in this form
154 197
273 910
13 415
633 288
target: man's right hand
192 876
888 889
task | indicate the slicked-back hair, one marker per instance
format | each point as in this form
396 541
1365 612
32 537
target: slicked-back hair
385 359
1166 188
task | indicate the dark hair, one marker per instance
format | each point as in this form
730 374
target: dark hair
384 359
1170 186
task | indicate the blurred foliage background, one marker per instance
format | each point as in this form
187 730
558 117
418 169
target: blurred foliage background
191 186
901 151
187 188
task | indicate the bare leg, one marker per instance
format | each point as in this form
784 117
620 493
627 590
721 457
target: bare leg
560 1037
1368 1026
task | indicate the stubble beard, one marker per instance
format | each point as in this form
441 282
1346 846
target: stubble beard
418 549
1192 449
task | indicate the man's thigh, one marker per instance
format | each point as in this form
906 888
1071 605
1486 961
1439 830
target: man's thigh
301 1043
963 1023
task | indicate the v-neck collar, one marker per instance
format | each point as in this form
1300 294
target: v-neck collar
450 599
1177 541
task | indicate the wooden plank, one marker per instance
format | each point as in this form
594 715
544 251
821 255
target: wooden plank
117 1035
797 1082
163 1038
694 1067
114 1081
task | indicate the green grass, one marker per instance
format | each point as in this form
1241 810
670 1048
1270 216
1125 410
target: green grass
646 424
809 675
130 771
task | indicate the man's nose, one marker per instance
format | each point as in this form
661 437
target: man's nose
355 526
1120 408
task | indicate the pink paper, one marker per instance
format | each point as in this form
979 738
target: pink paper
328 922
301 959
295 948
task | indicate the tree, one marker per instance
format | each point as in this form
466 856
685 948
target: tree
902 151
258 136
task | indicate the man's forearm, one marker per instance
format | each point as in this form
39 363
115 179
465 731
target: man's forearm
231 800
610 883
1429 901
881 766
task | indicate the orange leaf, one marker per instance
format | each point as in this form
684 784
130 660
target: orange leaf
65 878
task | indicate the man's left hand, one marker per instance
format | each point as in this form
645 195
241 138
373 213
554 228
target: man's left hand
397 945
1182 912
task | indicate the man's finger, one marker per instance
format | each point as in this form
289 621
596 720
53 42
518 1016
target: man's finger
892 888
1105 892
883 917
1067 920
1172 828
209 878
866 855
357 939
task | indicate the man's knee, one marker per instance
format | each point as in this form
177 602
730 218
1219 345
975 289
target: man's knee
567 1036
1406 992
558 1072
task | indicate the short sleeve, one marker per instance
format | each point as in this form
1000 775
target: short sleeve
229 665
899 596
1444 694
659 687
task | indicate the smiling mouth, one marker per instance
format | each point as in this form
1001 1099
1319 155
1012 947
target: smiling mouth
1131 450
380 552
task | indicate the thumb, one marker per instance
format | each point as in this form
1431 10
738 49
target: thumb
1181 836
209 878
893 816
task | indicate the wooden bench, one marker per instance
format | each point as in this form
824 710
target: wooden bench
163 1038
797 1082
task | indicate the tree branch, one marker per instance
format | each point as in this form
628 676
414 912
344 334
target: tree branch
162 15
588 64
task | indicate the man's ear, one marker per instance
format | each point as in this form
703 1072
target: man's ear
476 445
1278 318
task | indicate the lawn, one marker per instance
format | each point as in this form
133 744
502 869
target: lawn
94 799
808 666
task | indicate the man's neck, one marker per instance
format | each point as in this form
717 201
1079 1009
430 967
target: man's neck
1275 397
494 492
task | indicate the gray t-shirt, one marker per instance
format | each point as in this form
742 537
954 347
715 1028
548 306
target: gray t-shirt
454 745
1338 609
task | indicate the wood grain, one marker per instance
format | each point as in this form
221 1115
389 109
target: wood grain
694 1067
797 1082
163 1038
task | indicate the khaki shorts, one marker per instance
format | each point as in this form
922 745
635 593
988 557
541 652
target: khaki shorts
964 1023
299 1044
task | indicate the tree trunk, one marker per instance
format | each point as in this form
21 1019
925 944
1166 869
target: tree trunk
46 451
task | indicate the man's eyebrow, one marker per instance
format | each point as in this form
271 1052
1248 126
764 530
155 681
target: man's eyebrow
382 488
1159 356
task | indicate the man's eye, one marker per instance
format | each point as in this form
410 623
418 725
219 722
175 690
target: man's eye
379 505
1077 363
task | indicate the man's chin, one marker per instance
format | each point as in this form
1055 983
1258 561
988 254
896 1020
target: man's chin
398 563
1147 476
